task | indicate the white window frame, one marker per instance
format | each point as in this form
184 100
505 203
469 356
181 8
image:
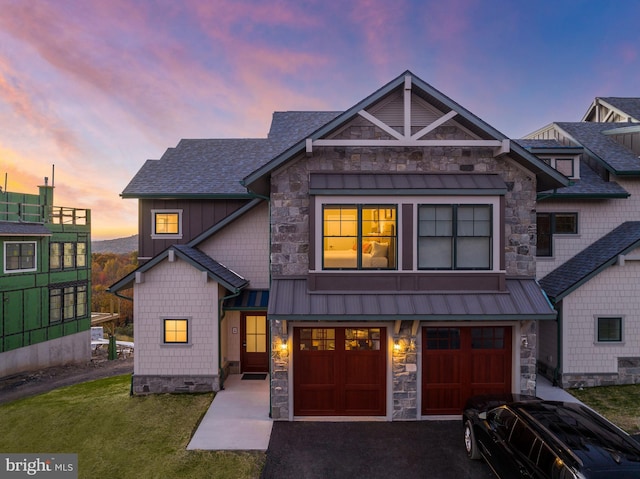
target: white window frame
27 270
155 235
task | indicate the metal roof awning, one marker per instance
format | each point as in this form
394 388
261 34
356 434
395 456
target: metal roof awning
248 300
8 228
395 184
523 299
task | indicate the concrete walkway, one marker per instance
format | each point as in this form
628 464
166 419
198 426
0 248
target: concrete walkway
238 418
546 390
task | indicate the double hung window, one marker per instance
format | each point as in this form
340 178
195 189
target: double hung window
359 236
454 237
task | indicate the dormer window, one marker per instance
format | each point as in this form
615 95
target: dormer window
568 166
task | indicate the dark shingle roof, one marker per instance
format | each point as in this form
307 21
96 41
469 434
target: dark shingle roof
590 185
218 270
8 228
590 261
631 106
590 135
214 167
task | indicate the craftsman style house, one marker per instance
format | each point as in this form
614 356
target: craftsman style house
45 282
376 262
588 260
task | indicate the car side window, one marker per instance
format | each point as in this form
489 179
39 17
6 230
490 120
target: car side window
501 421
522 439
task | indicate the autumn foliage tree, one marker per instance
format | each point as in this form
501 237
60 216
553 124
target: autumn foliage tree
106 269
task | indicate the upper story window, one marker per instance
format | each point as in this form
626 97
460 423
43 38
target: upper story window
550 224
20 256
568 166
67 255
457 237
358 236
166 224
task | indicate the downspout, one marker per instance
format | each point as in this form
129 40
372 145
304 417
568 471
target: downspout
221 314
558 368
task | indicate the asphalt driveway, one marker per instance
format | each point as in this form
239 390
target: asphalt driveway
326 450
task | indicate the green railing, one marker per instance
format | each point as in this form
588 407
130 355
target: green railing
34 213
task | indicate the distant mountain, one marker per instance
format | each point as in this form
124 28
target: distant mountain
118 245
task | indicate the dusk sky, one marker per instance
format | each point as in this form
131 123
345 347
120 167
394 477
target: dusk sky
97 87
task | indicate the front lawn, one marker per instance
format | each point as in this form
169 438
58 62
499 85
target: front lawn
116 435
619 404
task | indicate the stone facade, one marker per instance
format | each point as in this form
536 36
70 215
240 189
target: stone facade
291 242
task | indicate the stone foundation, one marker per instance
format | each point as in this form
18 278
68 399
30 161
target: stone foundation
628 373
150 384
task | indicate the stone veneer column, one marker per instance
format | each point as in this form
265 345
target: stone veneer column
528 353
280 361
405 374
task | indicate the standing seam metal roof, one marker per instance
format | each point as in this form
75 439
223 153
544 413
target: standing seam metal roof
523 299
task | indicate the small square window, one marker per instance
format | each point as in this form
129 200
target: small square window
166 223
176 331
609 330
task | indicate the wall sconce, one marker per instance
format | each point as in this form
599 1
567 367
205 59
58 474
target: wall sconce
396 346
524 341
283 346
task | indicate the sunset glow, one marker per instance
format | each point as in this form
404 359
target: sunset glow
96 88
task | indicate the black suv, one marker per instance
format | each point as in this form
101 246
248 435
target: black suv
526 437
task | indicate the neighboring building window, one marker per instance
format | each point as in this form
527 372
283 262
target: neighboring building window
67 255
81 254
176 331
55 256
20 256
609 330
549 224
166 223
457 237
359 236
68 302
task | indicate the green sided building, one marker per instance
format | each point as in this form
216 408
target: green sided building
45 282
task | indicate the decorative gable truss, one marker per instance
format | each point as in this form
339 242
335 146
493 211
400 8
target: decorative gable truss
416 114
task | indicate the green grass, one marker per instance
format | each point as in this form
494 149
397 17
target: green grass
116 435
619 404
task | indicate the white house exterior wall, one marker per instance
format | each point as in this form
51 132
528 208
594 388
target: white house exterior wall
243 246
175 290
596 218
613 292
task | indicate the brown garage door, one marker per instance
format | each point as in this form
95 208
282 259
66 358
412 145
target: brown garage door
339 371
461 362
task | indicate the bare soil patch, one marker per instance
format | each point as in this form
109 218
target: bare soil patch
32 383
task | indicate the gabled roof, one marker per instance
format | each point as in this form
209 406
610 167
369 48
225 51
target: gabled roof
213 168
622 105
196 258
9 228
522 300
601 146
257 180
589 262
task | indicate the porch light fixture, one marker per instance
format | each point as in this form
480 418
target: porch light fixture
396 346
283 346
